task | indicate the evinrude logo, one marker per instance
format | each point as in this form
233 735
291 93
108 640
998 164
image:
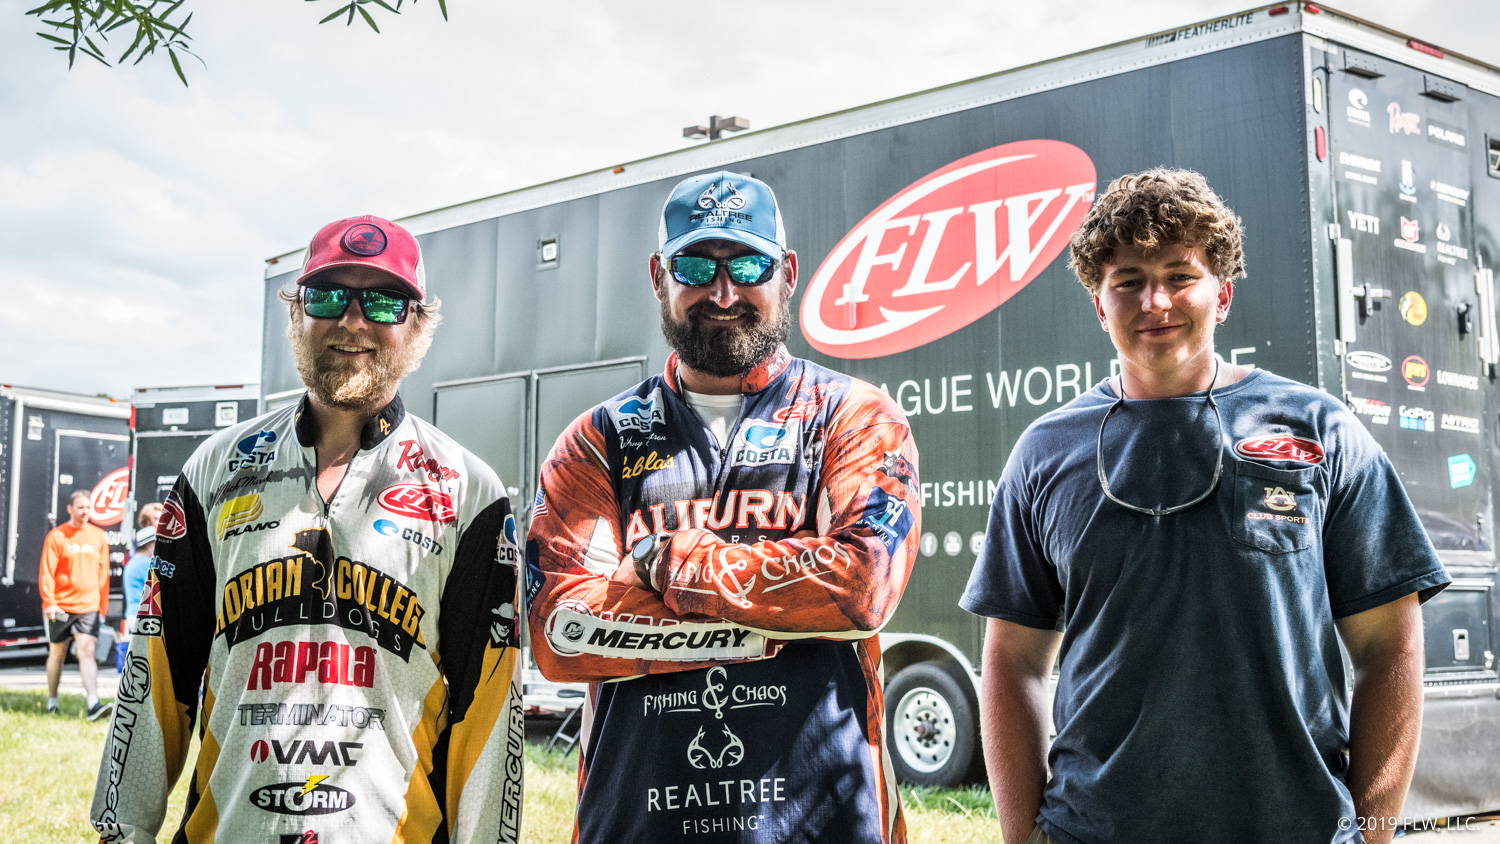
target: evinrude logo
929 260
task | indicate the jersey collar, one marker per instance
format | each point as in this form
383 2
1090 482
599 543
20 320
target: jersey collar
762 376
372 434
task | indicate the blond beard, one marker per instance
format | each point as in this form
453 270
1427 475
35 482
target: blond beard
340 384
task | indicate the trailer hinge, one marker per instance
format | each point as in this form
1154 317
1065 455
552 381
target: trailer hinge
1333 231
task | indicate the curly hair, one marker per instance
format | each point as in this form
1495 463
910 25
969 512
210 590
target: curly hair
1153 209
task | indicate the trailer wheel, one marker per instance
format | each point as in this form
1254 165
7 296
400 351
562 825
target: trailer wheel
932 725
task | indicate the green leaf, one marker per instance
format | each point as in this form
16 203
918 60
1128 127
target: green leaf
65 42
177 66
369 20
387 7
334 14
443 6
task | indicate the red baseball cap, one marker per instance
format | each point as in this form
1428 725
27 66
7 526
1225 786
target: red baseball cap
368 242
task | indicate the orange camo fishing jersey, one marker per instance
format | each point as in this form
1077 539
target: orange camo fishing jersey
740 698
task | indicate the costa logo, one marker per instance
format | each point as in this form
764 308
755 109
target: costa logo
1369 361
107 501
1283 447
415 501
948 249
172 523
1414 370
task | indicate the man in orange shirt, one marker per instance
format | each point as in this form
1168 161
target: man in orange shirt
74 584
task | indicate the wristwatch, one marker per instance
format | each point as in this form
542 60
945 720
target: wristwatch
645 553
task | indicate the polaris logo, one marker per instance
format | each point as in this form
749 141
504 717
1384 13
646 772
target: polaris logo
929 260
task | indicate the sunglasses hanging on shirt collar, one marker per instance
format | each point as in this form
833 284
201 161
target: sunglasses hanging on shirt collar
1176 508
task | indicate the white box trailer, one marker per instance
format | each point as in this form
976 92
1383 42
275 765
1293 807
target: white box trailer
1365 162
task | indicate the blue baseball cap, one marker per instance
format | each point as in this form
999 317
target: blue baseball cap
722 206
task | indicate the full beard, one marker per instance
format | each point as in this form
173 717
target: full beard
725 351
345 384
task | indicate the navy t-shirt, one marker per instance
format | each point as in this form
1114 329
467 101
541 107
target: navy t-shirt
1202 694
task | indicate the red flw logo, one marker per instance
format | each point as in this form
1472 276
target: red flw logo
172 524
948 249
418 502
107 502
1283 447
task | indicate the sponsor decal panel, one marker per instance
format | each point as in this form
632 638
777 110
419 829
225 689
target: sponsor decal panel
1411 233
413 459
947 249
1403 122
1357 111
637 413
894 465
646 464
572 630
310 714
328 663
1447 251
1457 422
311 797
1378 411
1368 366
889 518
1413 307
1280 447
1408 183
1461 471
1414 370
172 524
148 618
1457 379
1446 135
386 527
1360 168
1450 193
238 516
107 500
313 587
306 752
1281 506
1415 418
415 501
134 689
510 789
740 509
1366 223
253 452
760 444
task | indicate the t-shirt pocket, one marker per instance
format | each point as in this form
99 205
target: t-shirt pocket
1274 508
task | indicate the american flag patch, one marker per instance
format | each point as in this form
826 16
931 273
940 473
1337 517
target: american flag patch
539 506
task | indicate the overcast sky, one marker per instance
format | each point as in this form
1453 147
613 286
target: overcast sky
136 215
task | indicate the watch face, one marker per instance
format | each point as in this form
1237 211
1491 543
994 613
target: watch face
643 548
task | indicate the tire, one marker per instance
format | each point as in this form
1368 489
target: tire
932 725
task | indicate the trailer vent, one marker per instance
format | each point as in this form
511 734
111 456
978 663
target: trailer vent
1440 89
1362 66
1494 157
547 252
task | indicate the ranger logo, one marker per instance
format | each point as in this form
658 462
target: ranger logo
948 249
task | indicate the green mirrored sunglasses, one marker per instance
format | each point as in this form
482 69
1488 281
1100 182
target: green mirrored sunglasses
696 271
330 301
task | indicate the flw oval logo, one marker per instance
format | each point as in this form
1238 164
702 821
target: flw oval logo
1283 447
107 501
948 249
415 501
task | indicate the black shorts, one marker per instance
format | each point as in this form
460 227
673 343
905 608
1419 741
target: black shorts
80 624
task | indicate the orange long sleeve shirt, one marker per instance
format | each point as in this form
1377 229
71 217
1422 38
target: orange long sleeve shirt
74 574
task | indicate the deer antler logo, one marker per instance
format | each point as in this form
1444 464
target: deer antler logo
731 754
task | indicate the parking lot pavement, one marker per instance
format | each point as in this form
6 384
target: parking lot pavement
30 675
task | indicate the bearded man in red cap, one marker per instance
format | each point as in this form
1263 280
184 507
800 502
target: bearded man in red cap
340 579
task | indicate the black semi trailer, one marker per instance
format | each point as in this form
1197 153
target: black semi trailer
1365 163
168 423
51 444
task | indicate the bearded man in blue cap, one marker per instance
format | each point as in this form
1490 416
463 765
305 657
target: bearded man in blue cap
714 550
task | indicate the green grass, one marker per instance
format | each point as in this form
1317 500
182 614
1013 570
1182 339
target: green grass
51 762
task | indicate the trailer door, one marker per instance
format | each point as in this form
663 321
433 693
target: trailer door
488 417
97 464
1417 323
